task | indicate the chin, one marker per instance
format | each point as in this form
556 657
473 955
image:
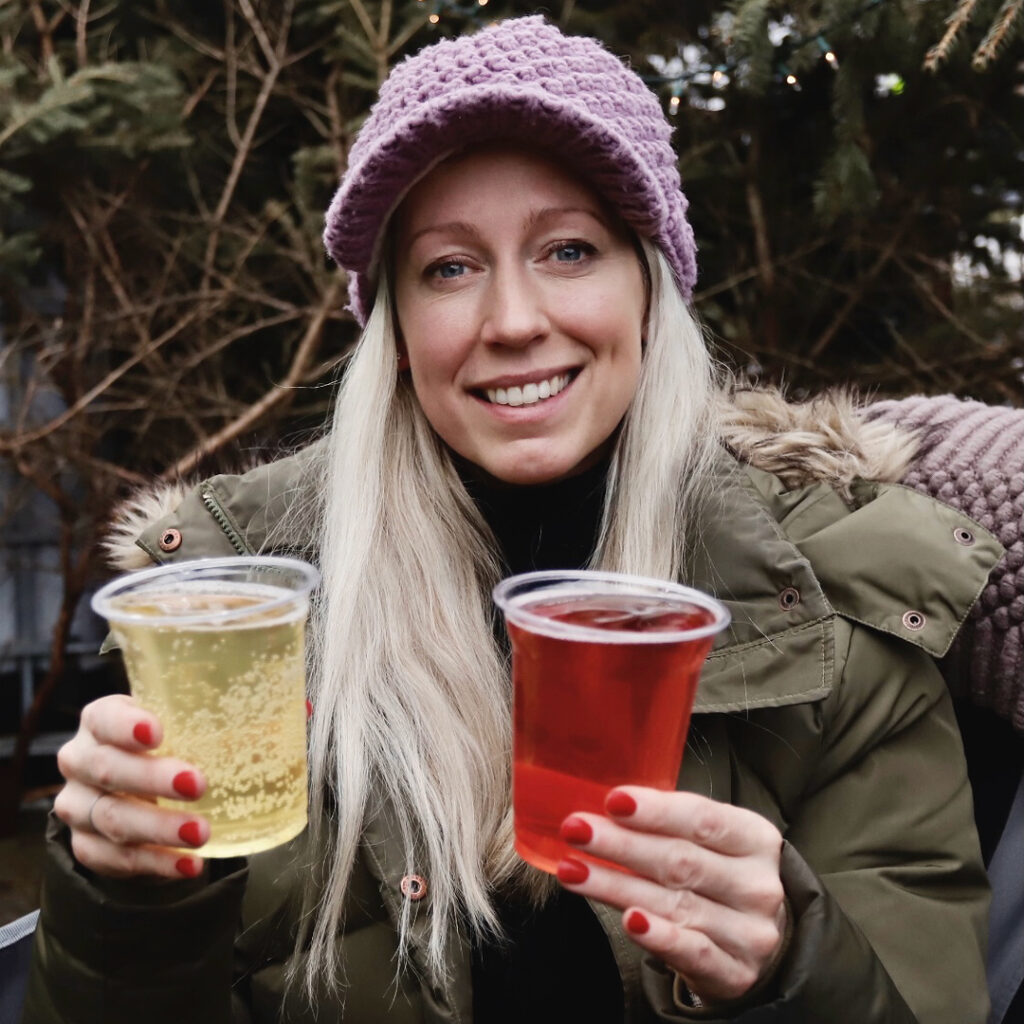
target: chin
526 472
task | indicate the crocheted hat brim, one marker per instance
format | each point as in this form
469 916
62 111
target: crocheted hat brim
360 211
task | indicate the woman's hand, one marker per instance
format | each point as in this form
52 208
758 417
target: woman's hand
109 799
706 898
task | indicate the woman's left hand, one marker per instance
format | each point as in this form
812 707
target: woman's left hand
706 897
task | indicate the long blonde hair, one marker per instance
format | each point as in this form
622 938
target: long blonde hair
410 687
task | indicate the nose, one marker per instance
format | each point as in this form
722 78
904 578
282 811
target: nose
514 312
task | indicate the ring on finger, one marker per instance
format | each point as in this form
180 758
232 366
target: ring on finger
92 807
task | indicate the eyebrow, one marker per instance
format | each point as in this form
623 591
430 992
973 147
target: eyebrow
456 226
531 221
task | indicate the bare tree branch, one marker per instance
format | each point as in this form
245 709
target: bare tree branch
280 394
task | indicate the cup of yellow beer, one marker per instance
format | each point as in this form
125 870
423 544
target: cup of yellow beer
215 649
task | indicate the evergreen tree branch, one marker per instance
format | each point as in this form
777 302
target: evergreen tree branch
955 24
997 35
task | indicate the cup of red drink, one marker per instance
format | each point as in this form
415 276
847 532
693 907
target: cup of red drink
604 673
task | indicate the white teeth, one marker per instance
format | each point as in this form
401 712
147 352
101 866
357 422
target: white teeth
529 394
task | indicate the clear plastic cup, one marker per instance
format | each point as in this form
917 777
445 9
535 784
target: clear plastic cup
604 669
215 649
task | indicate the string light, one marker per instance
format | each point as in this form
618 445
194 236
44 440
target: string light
829 54
673 105
434 19
482 3
793 44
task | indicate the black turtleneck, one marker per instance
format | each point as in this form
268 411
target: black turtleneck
555 964
542 526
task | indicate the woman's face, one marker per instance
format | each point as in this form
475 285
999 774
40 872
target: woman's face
520 304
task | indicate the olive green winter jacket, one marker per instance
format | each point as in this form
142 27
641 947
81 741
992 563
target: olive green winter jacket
821 708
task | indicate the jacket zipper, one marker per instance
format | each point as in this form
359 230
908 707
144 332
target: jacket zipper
221 519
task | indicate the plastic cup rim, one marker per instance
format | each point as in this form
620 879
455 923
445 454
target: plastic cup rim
197 568
521 616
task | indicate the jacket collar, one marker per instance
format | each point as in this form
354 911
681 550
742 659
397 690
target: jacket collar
778 649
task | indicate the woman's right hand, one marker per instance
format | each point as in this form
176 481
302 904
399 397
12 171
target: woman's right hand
109 801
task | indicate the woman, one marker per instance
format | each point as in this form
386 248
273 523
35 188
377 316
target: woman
531 391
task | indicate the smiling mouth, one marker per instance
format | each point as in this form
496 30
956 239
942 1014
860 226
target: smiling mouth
529 394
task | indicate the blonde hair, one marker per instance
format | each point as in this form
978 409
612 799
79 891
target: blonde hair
410 686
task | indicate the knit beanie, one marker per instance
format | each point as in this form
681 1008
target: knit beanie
520 80
971 456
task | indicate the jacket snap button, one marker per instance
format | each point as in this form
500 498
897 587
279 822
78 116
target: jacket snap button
414 887
962 536
914 620
170 540
789 598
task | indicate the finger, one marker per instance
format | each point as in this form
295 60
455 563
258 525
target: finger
128 820
707 969
113 860
748 884
106 767
709 823
118 720
750 937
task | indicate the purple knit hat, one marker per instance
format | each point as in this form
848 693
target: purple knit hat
520 79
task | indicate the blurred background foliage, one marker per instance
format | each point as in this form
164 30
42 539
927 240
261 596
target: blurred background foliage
855 170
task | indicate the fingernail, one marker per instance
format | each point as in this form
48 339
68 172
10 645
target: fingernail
622 805
189 866
186 784
572 871
637 923
143 733
576 830
191 833
309 710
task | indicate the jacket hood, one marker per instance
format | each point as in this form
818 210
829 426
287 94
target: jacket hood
827 439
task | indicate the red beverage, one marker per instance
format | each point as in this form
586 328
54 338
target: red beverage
604 684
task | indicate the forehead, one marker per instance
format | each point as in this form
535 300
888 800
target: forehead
494 180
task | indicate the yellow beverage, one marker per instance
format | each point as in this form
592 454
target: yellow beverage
229 687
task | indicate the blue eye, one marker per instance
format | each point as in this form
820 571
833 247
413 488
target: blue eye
573 252
446 271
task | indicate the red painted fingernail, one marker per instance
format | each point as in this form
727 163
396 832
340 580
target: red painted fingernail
191 833
637 923
622 805
309 710
572 871
186 784
143 733
188 866
576 830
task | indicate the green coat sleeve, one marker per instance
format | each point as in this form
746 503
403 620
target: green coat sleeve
888 826
134 951
881 864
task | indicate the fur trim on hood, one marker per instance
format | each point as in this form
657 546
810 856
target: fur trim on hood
132 516
827 438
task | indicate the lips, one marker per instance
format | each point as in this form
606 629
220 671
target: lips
528 394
